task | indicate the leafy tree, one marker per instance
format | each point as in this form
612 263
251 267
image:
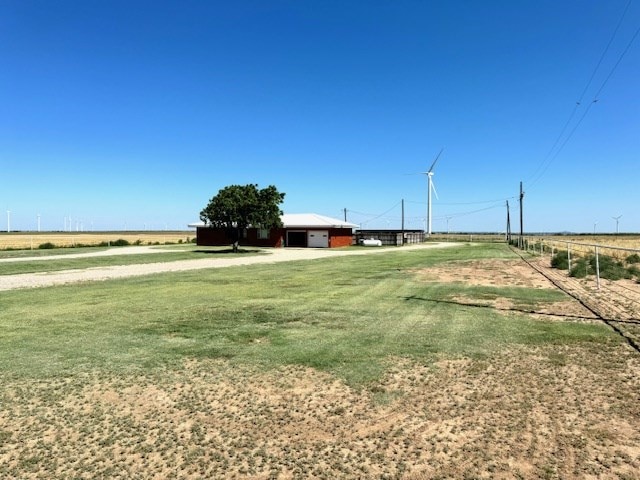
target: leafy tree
237 207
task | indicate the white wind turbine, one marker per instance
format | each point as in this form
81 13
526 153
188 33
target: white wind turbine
430 187
617 219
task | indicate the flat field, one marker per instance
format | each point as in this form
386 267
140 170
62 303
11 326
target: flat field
617 246
431 363
32 240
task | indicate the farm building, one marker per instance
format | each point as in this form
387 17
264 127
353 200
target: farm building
299 230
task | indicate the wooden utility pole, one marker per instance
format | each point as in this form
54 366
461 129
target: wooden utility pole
345 214
402 227
508 234
520 242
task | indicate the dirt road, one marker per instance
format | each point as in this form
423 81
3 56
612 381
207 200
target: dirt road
47 279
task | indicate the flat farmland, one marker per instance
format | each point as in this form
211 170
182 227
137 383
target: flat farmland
458 362
32 240
585 244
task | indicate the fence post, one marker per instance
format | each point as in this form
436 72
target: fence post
569 256
597 269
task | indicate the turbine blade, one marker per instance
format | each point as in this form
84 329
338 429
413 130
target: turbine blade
433 186
434 162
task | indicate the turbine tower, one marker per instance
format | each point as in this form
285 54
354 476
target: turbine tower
430 187
617 219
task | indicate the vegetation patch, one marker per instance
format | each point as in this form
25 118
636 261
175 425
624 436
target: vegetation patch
376 371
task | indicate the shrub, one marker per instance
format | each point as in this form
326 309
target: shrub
121 242
633 258
46 246
580 268
560 260
610 268
634 271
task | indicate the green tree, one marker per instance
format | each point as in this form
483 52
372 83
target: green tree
237 207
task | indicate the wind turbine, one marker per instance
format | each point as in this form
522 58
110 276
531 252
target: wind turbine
617 219
430 187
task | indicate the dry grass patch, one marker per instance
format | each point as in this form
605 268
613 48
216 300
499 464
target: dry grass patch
500 273
31 240
577 416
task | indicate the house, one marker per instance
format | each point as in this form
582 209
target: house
298 230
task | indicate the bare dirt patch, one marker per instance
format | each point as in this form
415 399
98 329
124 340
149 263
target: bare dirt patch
495 273
576 417
502 273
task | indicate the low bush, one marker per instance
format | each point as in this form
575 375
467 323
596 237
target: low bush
634 271
46 246
121 242
633 258
609 267
580 268
560 260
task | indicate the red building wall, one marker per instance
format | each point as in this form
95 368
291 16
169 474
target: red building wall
340 237
207 236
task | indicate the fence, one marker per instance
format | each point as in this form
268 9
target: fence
577 252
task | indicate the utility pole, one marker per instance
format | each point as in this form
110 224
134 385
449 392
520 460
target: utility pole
345 214
521 241
402 226
508 235
8 221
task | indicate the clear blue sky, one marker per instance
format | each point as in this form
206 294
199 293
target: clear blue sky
133 113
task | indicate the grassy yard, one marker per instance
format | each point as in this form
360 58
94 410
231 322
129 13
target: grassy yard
163 254
237 372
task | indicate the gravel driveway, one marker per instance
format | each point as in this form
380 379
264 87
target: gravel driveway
47 279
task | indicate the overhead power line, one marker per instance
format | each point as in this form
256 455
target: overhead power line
555 149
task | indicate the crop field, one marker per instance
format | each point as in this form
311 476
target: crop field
459 362
32 240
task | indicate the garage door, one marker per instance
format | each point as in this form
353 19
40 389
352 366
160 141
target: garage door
297 239
318 238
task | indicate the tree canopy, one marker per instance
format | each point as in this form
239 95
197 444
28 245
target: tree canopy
237 207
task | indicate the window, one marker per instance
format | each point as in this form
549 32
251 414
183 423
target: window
263 233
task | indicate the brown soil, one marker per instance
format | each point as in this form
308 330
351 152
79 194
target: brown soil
552 412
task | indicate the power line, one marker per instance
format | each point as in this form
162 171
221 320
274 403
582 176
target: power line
374 216
550 157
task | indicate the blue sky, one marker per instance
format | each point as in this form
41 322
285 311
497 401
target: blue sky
133 114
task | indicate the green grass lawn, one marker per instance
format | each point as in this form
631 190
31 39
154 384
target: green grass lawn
167 254
345 315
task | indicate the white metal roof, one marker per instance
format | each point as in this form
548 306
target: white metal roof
303 220
307 220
